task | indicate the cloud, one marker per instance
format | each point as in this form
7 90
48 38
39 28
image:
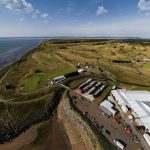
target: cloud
101 10
144 5
94 2
23 5
35 14
44 15
17 5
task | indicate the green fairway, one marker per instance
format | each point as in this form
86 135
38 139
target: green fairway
34 82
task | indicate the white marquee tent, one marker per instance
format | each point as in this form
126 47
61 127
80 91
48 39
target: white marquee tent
138 101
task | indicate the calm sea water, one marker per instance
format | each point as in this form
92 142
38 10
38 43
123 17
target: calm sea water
13 48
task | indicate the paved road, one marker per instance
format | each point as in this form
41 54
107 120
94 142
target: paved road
94 113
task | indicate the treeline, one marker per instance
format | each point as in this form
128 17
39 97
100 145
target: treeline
143 42
63 41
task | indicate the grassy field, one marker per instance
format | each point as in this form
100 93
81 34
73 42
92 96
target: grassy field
31 93
55 58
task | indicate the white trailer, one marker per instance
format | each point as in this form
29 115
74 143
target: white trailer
85 83
99 90
147 138
119 144
58 79
94 88
89 86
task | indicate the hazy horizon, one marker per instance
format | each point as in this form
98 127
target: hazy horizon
76 37
74 18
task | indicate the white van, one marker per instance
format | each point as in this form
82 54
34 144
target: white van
119 144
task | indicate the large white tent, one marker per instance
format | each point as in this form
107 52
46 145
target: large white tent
138 101
107 107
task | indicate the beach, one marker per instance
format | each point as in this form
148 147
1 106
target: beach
12 49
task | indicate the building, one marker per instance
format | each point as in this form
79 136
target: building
137 101
107 107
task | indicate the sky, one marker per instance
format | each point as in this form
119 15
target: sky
77 18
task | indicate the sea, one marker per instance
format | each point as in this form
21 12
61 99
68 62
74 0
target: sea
12 49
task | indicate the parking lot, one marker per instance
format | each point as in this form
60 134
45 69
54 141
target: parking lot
111 130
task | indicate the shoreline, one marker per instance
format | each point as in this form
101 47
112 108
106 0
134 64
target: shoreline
11 63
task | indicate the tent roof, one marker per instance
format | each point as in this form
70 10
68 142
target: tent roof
138 101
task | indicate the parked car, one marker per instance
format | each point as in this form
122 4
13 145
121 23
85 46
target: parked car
107 132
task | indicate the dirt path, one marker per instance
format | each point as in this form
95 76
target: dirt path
1 80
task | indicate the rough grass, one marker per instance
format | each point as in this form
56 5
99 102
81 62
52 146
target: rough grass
58 58
128 74
55 58
19 111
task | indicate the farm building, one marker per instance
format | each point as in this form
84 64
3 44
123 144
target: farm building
107 107
137 101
